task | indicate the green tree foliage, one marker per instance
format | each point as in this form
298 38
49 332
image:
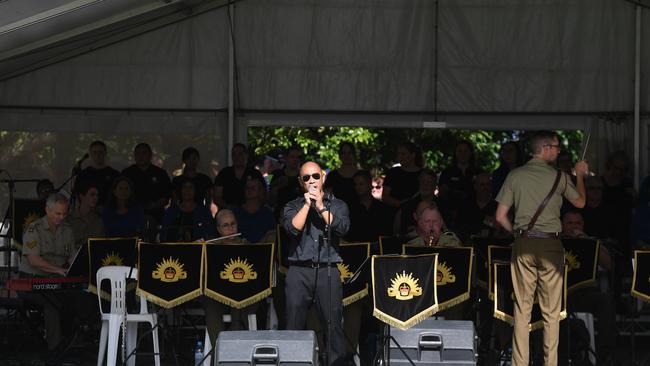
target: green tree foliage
376 147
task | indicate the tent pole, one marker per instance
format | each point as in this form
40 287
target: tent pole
637 97
231 86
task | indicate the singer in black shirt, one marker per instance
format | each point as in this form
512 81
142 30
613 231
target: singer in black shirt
306 219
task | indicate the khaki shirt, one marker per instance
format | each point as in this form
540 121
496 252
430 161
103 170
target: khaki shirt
82 229
447 239
526 187
39 240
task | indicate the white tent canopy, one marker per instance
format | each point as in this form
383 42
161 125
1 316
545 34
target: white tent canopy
124 66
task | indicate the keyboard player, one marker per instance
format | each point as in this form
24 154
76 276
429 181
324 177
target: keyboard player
47 250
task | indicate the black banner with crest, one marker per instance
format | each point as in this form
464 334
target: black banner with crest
391 244
170 274
454 272
641 278
504 298
581 257
404 288
24 212
238 275
483 268
496 254
353 255
283 249
109 252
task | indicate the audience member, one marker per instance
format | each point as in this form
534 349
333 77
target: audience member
595 214
44 188
618 197
456 181
476 216
510 157
98 172
84 219
122 216
401 182
151 184
254 219
284 183
430 228
186 219
404 219
369 217
229 184
641 218
340 182
378 187
202 182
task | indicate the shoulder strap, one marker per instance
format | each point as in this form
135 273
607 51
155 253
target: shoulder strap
531 224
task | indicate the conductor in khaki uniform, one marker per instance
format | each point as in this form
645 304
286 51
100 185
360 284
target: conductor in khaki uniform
537 261
47 251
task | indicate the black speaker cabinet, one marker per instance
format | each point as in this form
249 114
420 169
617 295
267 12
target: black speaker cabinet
267 347
435 342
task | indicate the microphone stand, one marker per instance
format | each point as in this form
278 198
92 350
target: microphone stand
328 228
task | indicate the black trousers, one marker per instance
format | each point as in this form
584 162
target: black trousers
301 288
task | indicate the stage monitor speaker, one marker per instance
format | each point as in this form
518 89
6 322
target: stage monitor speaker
435 342
267 347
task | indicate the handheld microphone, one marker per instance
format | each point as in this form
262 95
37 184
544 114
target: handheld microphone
313 189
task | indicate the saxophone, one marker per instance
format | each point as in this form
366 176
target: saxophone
431 238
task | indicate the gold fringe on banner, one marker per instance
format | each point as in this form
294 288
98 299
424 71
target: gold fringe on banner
453 302
168 304
355 297
408 323
241 304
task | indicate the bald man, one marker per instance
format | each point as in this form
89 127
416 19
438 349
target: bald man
306 220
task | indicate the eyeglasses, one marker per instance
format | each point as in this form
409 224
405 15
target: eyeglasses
555 146
305 178
376 186
228 224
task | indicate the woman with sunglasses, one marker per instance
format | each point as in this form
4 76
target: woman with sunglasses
305 220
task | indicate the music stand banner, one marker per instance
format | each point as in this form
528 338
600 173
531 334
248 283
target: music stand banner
23 213
581 257
496 254
483 267
283 249
109 252
353 255
238 275
404 288
454 272
391 244
170 274
641 279
504 298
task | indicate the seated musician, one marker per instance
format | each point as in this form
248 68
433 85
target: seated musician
214 310
591 299
429 227
47 251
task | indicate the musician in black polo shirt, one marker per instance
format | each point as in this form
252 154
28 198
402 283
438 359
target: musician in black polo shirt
305 220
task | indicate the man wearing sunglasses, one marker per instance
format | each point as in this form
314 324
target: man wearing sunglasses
307 219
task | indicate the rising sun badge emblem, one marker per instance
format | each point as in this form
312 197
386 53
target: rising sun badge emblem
344 269
238 271
404 287
444 275
112 259
169 270
33 216
572 260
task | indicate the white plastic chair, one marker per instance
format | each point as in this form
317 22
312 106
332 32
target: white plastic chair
112 320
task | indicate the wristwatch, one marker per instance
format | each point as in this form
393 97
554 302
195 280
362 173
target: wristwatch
322 210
